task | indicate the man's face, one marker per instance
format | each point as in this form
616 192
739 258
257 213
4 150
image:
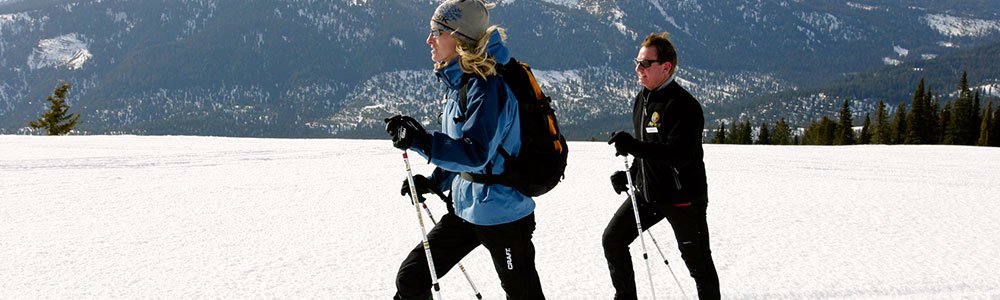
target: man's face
656 74
442 44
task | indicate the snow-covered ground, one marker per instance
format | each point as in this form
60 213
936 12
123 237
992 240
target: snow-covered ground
203 217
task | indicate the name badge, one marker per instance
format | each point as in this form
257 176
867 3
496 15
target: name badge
652 130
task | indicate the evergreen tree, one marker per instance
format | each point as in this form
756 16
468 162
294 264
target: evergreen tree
720 135
782 133
918 130
995 131
57 120
963 85
933 119
977 117
811 135
734 133
944 124
764 138
866 134
746 133
845 127
881 134
963 117
985 128
821 132
899 125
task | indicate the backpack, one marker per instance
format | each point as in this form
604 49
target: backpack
541 163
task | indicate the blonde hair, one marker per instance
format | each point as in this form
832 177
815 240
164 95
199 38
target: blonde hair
474 59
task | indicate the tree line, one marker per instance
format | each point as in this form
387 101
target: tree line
925 121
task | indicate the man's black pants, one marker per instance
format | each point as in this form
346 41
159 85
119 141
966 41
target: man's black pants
452 239
690 229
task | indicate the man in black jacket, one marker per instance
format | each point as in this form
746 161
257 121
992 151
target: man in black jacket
668 172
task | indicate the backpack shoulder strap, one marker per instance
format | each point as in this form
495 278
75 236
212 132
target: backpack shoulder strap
463 98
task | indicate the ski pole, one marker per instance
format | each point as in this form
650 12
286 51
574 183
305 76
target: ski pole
638 226
423 230
667 263
460 266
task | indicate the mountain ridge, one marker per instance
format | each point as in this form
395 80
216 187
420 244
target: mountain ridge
335 68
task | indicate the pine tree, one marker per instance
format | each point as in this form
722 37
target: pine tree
899 125
734 133
829 130
845 127
963 85
995 132
764 138
811 135
944 124
918 130
866 134
881 134
933 118
782 133
977 117
720 135
746 133
821 132
985 128
963 117
57 120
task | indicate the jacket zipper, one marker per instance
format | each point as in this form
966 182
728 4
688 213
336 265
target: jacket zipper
642 137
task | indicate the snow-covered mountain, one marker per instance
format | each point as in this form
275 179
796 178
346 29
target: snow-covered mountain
320 68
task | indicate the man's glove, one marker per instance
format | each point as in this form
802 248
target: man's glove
421 183
406 132
619 182
624 143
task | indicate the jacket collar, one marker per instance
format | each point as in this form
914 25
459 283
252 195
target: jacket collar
663 85
451 74
663 88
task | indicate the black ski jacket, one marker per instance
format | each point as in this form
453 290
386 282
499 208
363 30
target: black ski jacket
669 162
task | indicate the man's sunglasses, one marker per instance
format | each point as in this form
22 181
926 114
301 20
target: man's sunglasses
645 63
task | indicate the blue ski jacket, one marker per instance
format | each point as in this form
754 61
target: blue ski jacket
471 143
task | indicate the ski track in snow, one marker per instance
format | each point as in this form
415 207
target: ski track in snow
207 217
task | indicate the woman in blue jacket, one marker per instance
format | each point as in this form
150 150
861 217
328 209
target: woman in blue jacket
466 50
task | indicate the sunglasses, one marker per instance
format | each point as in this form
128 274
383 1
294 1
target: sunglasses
436 33
645 63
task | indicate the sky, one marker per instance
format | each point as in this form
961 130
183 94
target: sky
211 217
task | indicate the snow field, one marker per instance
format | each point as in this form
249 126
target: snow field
207 217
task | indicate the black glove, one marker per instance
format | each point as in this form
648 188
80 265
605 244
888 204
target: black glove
624 143
421 183
619 182
406 132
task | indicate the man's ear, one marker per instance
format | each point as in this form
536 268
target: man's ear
668 67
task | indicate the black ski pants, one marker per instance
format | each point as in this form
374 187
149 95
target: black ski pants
690 229
452 239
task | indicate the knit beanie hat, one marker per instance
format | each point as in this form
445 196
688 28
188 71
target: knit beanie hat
469 19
